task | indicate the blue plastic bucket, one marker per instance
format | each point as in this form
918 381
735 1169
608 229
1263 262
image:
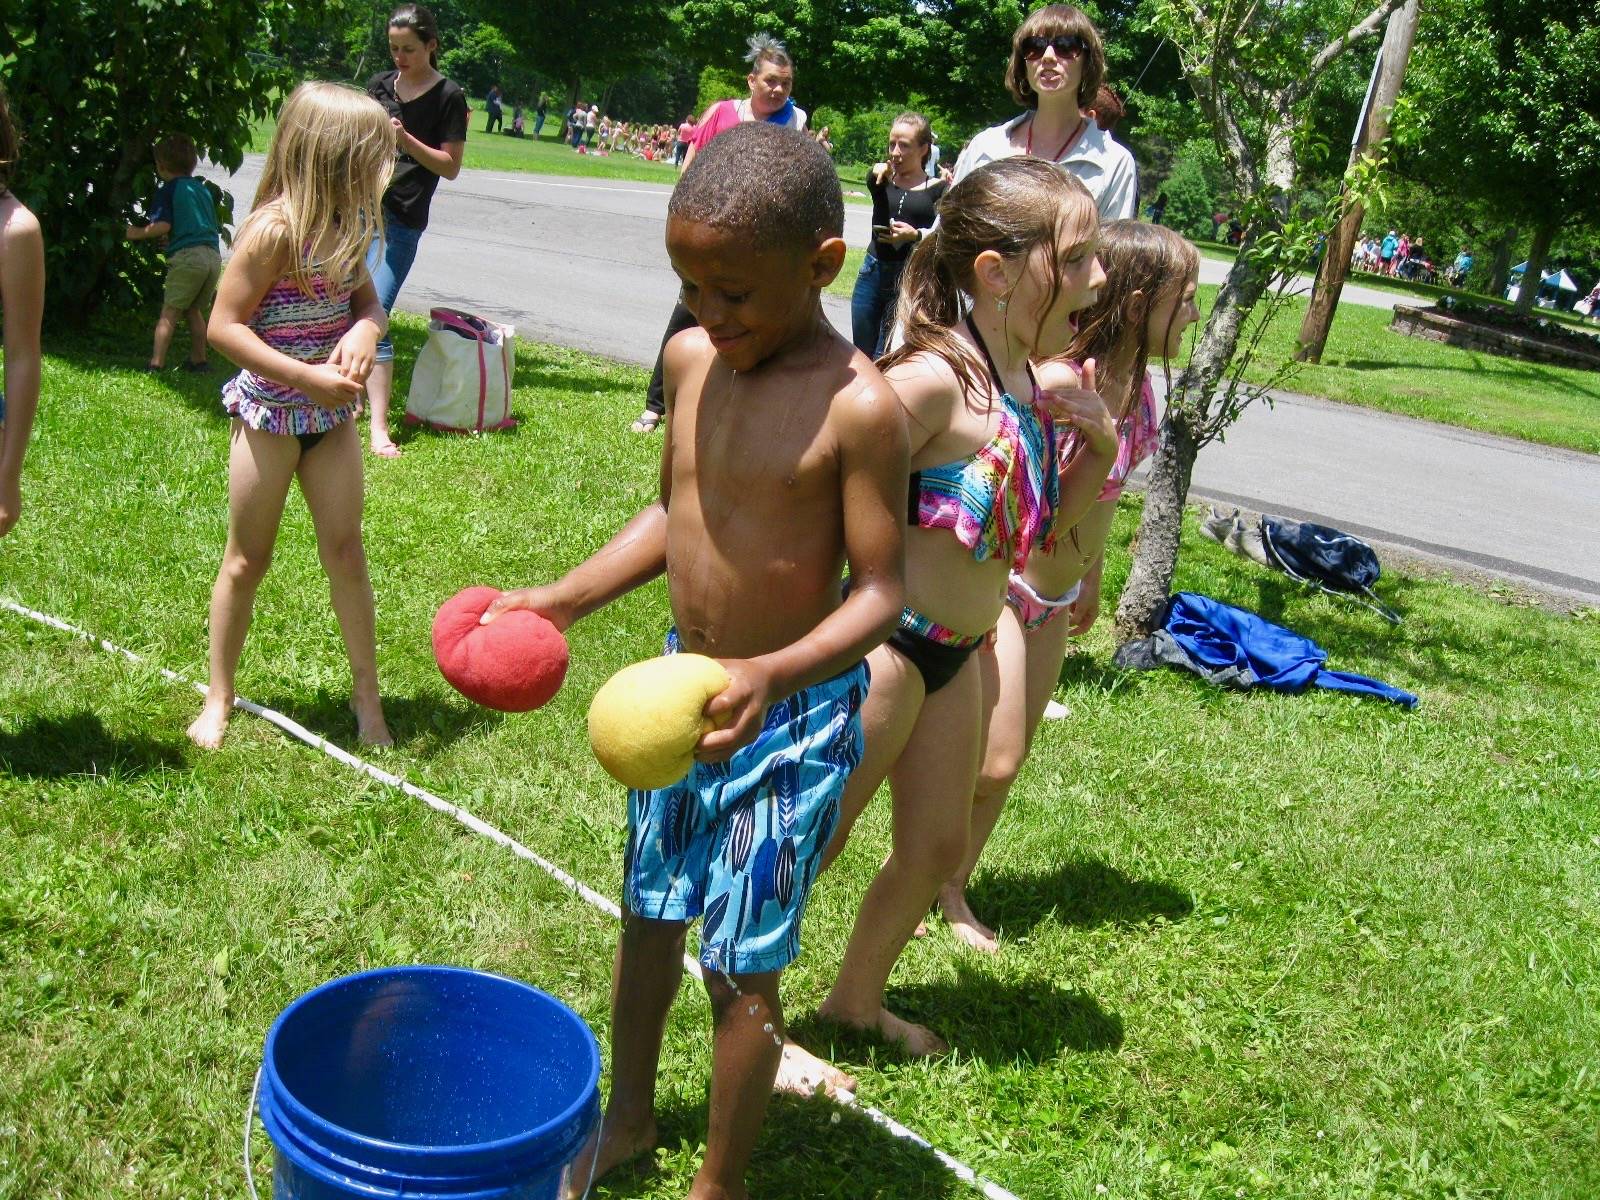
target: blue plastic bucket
427 1082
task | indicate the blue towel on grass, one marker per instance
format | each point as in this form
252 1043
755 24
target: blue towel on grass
1230 646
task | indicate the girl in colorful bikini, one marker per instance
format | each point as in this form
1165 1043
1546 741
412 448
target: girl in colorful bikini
1018 238
1143 310
298 312
22 309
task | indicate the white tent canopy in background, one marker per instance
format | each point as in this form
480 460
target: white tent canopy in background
1560 280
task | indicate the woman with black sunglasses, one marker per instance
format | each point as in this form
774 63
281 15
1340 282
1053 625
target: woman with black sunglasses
1057 65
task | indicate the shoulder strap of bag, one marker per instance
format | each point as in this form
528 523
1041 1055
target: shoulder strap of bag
463 323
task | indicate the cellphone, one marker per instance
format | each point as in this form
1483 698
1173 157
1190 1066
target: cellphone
880 231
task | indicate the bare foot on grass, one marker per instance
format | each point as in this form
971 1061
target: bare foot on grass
207 729
611 1145
371 729
966 927
384 448
802 1073
916 1040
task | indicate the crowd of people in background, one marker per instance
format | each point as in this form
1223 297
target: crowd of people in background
589 130
1401 256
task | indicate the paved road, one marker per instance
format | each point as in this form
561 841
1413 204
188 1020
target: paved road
581 263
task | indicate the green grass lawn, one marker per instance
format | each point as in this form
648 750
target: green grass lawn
1253 945
1366 363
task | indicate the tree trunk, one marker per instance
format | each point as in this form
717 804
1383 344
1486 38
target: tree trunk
1335 265
1190 408
1533 273
1332 271
1500 263
1155 557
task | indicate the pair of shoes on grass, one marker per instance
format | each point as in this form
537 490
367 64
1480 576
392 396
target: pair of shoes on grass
1231 531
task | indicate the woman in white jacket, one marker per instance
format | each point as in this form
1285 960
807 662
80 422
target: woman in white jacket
1057 65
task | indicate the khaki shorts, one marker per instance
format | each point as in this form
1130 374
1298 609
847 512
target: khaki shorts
192 275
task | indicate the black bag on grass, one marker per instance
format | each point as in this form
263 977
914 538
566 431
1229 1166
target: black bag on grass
1327 558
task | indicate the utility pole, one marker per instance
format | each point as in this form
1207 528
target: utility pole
1388 73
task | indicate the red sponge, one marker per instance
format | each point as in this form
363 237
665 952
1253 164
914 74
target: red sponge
514 663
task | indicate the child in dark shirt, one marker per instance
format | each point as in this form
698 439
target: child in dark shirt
186 216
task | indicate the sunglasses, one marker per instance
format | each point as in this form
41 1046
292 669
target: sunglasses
1066 45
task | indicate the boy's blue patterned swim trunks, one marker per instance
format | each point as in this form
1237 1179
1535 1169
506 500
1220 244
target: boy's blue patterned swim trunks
740 842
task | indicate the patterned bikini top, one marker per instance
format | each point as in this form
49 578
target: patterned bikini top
1137 434
306 328
1001 501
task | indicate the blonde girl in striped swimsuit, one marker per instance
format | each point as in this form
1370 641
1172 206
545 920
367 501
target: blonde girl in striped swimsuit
297 311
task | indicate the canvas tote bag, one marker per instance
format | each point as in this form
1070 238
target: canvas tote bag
462 379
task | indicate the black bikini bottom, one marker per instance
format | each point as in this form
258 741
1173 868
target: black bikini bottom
937 663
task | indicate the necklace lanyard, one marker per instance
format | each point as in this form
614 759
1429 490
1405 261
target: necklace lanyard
1083 123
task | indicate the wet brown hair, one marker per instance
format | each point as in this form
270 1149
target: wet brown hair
10 143
1013 206
1138 257
1108 108
1055 20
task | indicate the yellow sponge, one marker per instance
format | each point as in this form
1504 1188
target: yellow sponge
645 721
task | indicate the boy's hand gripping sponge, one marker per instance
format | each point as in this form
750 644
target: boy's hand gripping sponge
514 663
645 722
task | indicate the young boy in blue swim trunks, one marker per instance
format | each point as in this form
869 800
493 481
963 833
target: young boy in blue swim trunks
784 461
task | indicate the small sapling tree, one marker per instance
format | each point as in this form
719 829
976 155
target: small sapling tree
1254 70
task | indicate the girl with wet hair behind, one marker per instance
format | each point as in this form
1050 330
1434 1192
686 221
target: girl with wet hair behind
22 317
990 291
1141 313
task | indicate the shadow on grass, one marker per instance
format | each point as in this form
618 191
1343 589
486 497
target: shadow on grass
1510 369
422 725
993 1020
1087 671
1082 894
1445 644
550 375
60 747
807 1148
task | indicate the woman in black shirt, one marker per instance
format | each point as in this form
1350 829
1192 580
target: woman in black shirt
904 204
429 115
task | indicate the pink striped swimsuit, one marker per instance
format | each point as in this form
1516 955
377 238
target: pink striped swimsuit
306 328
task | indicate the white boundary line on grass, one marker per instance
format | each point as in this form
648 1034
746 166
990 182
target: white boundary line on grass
577 887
